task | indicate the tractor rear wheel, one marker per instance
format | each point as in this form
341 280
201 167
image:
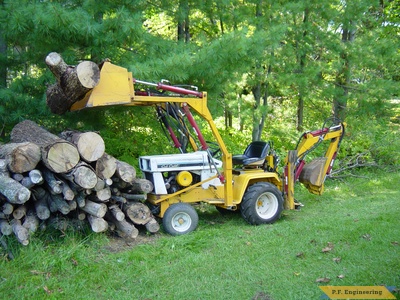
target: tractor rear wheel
262 204
180 218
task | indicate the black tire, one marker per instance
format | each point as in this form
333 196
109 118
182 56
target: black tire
262 204
180 218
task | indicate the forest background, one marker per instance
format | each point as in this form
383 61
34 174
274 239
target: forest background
272 69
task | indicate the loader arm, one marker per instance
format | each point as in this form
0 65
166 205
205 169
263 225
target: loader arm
313 174
116 87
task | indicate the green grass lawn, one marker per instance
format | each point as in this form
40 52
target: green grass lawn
349 236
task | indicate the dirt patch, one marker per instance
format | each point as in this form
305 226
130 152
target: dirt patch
117 244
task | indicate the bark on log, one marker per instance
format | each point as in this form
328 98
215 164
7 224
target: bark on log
3 168
138 213
124 228
41 204
58 155
106 166
90 145
5 227
61 205
72 82
125 171
135 197
95 209
20 232
52 182
67 192
15 192
20 157
152 226
97 224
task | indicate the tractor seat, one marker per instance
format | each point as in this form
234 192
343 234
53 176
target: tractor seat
254 155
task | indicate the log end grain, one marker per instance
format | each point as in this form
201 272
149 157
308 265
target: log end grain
90 146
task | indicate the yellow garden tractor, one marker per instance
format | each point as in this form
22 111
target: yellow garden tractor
249 182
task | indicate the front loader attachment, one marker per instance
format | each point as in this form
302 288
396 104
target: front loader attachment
115 88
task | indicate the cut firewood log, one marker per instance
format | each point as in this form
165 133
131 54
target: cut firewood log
27 182
83 175
125 171
20 232
41 203
19 212
36 176
5 227
135 197
117 213
80 199
72 205
72 82
31 222
15 192
17 176
54 185
138 213
60 203
97 224
125 229
106 166
104 194
95 209
142 185
90 145
3 168
58 155
20 157
7 208
152 226
67 192
118 199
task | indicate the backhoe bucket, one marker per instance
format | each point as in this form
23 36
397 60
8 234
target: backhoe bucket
312 176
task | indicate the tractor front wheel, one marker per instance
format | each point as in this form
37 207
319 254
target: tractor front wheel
180 218
262 204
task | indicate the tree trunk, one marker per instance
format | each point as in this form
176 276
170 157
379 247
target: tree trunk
20 157
58 155
72 82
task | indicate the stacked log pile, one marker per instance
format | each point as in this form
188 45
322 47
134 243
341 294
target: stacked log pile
61 180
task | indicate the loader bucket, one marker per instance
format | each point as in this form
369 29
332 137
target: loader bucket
115 87
313 175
